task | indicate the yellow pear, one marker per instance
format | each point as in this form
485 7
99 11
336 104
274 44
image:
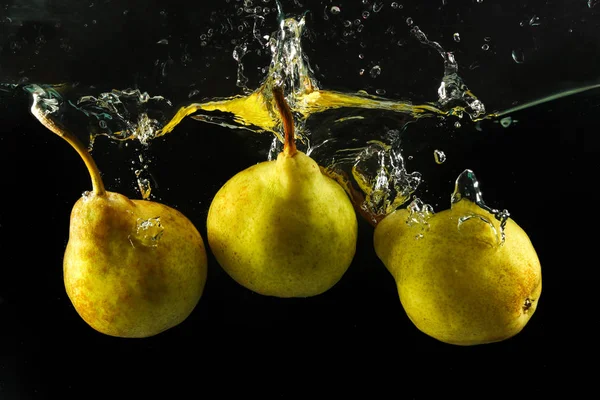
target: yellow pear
132 268
459 279
282 228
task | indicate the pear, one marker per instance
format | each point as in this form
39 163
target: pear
460 280
132 268
282 228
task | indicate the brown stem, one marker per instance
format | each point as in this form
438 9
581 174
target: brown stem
289 144
97 184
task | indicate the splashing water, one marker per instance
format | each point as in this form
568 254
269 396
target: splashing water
339 130
149 231
124 114
467 188
419 214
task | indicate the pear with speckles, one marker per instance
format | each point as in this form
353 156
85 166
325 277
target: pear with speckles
282 228
132 268
457 281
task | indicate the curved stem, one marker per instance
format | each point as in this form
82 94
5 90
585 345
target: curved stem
289 144
97 184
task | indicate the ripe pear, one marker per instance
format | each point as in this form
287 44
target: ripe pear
132 268
457 281
282 228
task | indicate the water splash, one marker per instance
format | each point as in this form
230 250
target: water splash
467 188
124 114
454 96
149 231
419 214
379 171
439 156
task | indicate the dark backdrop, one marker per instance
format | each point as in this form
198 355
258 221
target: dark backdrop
541 169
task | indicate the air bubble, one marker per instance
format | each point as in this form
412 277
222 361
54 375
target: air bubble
457 125
456 37
518 56
365 14
335 10
409 21
380 92
375 71
439 156
534 21
592 3
377 7
506 122
485 47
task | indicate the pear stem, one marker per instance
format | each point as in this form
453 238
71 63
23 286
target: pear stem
97 184
289 143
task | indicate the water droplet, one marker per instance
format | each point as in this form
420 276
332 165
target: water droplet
456 37
534 21
409 21
506 122
335 10
375 71
467 187
518 56
527 305
149 231
365 14
439 156
485 47
145 188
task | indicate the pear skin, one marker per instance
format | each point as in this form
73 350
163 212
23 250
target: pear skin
282 228
132 268
121 281
461 285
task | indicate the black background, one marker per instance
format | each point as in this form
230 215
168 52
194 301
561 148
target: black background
541 169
